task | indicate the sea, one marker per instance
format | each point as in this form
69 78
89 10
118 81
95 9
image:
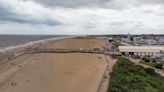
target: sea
11 41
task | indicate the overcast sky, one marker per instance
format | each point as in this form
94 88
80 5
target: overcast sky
81 16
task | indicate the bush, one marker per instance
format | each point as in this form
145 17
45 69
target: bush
159 65
119 90
136 57
128 77
146 59
115 56
150 71
154 61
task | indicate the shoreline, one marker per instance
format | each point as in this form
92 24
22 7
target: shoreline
49 72
31 43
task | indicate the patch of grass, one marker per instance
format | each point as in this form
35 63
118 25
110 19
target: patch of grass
155 65
128 77
115 56
147 63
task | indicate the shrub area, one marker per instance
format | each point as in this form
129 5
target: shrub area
159 66
127 77
147 63
152 64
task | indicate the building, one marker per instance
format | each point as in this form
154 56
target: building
124 40
138 40
161 41
129 40
146 41
141 50
150 41
108 43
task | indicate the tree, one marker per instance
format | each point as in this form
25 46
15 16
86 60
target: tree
146 59
150 71
159 65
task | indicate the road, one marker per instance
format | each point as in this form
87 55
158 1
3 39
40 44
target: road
136 61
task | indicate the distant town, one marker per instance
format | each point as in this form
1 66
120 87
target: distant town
146 47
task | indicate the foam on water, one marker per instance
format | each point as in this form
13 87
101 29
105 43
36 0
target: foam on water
32 43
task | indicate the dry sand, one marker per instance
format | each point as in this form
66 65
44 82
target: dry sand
50 72
76 43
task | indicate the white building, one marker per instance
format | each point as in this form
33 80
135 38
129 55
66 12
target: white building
140 40
129 40
150 42
141 50
161 41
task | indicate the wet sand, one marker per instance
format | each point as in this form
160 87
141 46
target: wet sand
50 72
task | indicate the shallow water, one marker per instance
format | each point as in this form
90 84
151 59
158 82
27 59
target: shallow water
8 42
12 40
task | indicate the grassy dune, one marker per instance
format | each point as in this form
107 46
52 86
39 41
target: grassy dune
127 77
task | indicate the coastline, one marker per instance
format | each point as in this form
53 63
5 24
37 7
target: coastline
75 72
30 43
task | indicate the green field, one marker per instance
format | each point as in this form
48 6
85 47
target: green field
127 77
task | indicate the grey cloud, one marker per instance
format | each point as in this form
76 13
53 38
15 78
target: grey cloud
126 23
6 15
82 19
117 23
152 1
67 3
148 11
80 3
113 4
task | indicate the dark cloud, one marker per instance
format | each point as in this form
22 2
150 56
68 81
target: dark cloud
114 4
6 15
81 16
72 3
152 1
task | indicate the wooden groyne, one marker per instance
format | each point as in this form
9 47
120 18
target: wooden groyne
59 50
6 57
36 49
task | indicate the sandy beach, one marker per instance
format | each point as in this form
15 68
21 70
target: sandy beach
75 43
52 72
